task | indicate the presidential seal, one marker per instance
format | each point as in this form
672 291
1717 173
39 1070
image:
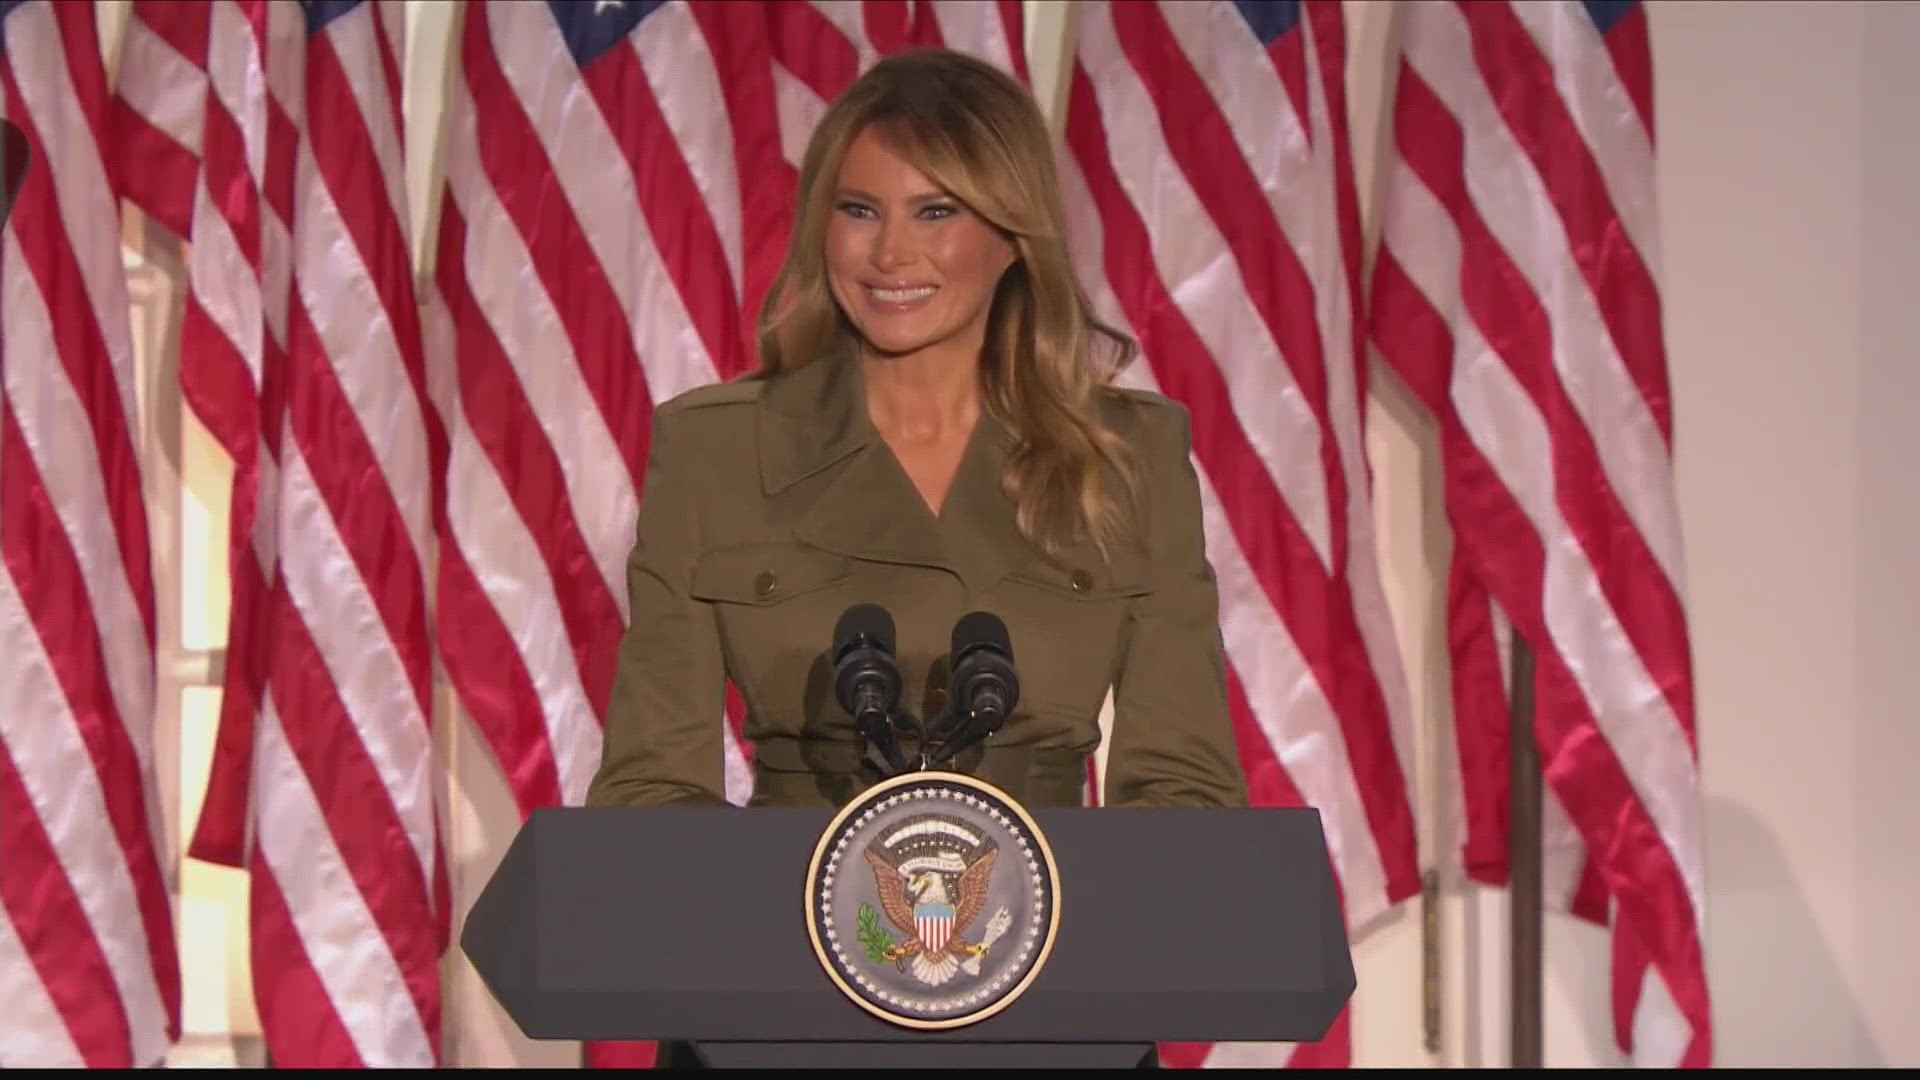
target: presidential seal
932 900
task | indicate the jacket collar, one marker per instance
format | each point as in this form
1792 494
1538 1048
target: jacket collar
814 419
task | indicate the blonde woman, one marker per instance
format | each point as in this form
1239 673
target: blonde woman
932 430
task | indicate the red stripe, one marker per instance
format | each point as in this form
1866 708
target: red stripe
1518 328
78 337
297 1018
1482 725
220 833
151 170
1277 284
678 223
737 36
1632 52
1520 81
53 928
1013 20
517 167
486 669
357 804
230 187
347 160
1317 609
812 48
1268 782
53 596
86 71
516 448
182 24
888 25
283 154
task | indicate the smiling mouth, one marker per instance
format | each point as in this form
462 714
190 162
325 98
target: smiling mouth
902 296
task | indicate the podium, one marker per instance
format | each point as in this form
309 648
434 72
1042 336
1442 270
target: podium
689 924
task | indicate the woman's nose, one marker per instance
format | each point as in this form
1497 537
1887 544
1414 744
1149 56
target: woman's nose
892 246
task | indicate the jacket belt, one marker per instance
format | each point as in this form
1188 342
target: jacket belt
814 772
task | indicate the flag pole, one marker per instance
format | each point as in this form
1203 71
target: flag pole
1523 861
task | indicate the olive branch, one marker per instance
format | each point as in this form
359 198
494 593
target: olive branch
876 941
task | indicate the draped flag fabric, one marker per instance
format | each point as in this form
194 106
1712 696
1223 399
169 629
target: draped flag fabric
1209 172
270 135
620 180
1517 292
89 972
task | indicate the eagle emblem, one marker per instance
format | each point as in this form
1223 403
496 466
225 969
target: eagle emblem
932 899
931 874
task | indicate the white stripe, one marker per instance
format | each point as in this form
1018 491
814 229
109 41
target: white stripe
800 109
356 49
604 200
1198 269
739 774
1661 1032
975 26
1605 115
287 59
54 109
507 292
161 85
361 658
492 538
1513 201
346 947
35 1037
679 66
223 281
356 335
62 783
1287 701
52 422
239 83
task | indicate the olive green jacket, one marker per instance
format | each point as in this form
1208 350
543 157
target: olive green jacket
770 506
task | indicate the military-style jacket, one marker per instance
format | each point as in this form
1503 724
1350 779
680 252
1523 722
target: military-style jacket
770 506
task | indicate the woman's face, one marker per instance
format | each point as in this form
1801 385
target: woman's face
910 265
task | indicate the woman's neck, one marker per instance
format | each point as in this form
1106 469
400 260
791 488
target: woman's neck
926 397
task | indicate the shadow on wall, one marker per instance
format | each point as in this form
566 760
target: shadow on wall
1780 995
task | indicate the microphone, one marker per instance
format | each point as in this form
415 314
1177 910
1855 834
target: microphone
866 680
984 688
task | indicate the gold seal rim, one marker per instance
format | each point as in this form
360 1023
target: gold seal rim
879 791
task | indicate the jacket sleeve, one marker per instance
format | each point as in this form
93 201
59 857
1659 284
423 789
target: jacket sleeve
662 742
1173 742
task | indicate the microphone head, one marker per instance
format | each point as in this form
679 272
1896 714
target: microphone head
977 630
863 624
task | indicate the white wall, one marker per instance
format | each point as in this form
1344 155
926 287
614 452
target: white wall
1789 167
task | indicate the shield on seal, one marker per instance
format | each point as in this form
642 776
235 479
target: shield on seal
934 924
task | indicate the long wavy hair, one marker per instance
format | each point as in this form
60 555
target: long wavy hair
976 132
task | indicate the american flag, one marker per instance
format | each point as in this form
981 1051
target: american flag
1209 173
280 131
1517 292
88 966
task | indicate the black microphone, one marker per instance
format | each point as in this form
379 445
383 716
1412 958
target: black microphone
983 688
866 680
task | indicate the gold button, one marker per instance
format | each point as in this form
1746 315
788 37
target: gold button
765 583
1082 581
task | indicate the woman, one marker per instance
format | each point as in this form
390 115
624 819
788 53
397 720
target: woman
932 430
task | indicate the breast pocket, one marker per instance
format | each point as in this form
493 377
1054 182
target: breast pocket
776 604
1065 623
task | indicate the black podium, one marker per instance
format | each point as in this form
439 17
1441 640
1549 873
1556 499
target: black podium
690 924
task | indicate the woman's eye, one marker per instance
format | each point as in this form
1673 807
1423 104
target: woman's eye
856 210
938 210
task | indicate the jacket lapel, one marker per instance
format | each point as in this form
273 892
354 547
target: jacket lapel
820 452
